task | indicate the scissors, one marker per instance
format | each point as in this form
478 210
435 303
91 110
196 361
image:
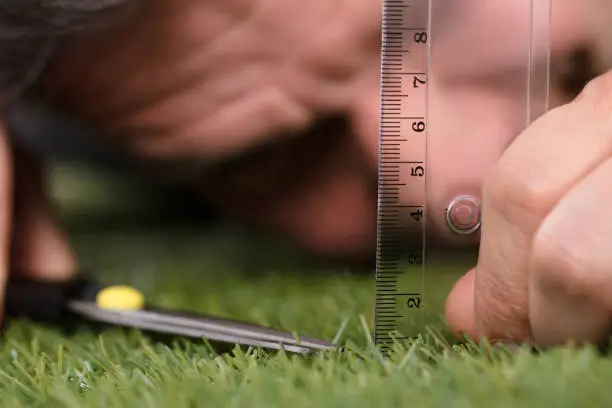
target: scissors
84 300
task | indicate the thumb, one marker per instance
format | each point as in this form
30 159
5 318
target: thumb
459 309
39 247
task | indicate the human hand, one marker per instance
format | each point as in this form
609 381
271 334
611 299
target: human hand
31 241
543 273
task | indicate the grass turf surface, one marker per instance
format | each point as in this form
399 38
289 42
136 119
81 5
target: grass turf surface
227 274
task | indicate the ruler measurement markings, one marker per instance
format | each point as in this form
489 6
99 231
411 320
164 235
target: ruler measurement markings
395 78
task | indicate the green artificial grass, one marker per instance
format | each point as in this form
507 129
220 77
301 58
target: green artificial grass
230 274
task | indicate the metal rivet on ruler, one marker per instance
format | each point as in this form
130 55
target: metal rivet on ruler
463 215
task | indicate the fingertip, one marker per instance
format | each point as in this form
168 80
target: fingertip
6 210
459 308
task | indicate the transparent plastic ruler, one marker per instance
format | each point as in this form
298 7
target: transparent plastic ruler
434 151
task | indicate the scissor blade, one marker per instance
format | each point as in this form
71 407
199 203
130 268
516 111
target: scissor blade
211 328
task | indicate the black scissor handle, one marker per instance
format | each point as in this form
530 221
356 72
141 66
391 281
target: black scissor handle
46 300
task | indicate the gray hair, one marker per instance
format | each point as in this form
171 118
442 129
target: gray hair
31 29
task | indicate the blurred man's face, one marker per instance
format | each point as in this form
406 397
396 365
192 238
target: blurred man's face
217 79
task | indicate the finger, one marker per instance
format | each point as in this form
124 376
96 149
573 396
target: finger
39 247
540 167
6 207
459 308
571 266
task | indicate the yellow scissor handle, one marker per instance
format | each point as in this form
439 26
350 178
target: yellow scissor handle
120 297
